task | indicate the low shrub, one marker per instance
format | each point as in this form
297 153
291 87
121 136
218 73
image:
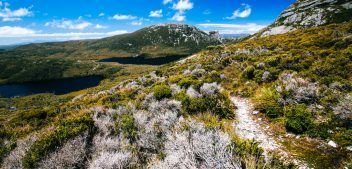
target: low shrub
183 98
186 82
212 77
265 100
258 75
67 129
343 138
299 120
162 91
125 124
343 109
248 73
217 104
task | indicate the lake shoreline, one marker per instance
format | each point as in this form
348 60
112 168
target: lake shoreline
56 86
144 60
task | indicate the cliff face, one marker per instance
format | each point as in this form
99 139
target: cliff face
308 13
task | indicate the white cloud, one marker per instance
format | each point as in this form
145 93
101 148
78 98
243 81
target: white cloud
7 14
6 31
78 24
15 35
136 23
248 28
123 17
243 12
156 14
98 26
167 1
183 5
11 19
101 14
179 17
14 31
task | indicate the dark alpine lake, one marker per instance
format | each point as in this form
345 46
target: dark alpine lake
58 86
142 60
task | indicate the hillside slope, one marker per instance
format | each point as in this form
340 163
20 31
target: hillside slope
156 40
299 82
56 60
293 91
159 40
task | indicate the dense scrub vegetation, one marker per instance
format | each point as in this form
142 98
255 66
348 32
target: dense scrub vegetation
300 82
301 77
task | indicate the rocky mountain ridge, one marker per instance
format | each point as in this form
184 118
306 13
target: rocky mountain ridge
308 13
186 38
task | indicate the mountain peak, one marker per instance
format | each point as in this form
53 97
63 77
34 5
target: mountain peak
174 38
309 13
177 27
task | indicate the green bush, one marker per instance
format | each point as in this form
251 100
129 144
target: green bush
217 104
67 129
343 137
248 73
212 77
321 130
162 91
183 98
265 100
127 126
258 74
299 120
186 82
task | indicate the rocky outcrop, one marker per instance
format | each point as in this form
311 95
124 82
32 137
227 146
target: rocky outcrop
308 13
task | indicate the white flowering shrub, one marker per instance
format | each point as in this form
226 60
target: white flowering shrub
14 159
198 72
209 89
175 88
266 76
197 147
112 160
186 72
192 93
344 108
71 155
153 122
297 90
103 119
109 150
154 76
109 143
133 85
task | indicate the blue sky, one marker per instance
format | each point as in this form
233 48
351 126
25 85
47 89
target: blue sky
23 21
